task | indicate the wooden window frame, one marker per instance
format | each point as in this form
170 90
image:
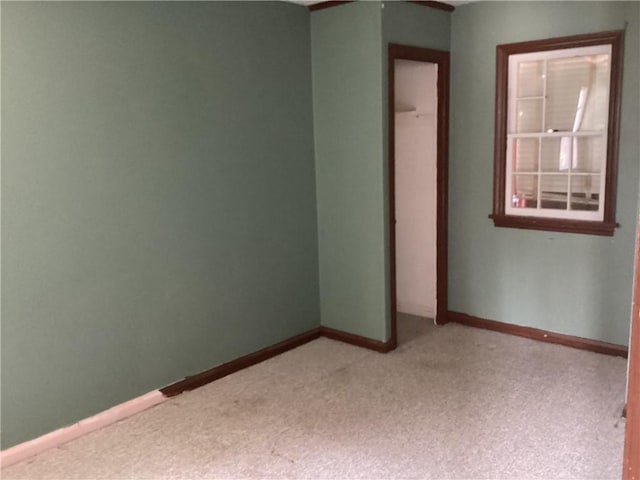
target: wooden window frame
500 218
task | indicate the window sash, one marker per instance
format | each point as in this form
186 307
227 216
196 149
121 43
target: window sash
513 88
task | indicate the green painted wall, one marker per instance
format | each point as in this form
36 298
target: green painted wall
411 24
406 24
158 197
349 57
161 213
346 45
568 283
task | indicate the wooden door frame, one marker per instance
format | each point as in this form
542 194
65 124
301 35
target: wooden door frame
631 464
441 59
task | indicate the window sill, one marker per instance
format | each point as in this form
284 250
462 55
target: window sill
554 224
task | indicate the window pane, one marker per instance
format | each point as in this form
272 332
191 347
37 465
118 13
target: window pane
530 79
525 154
588 154
553 191
529 116
577 93
597 105
585 192
551 154
582 154
524 191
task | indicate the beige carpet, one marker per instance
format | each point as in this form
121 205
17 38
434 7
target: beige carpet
451 402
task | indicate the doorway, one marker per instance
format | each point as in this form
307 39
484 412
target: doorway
418 175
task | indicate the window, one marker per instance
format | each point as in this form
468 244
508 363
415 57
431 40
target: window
556 137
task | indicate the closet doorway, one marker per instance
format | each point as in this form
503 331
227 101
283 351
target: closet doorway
418 176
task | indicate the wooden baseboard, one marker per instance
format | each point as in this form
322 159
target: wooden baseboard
25 450
208 376
540 335
54 439
359 341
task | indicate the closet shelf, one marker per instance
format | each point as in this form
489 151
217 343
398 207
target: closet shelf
412 113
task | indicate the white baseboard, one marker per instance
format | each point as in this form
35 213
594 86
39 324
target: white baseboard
415 309
58 437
